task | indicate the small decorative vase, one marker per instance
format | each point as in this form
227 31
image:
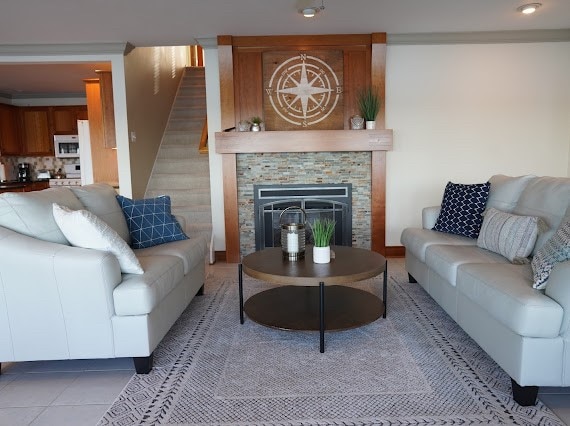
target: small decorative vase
321 254
255 127
370 125
243 126
357 122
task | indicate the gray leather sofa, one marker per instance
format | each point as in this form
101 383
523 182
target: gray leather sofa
62 302
526 331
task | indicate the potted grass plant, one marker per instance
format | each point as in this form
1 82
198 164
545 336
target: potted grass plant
323 230
369 105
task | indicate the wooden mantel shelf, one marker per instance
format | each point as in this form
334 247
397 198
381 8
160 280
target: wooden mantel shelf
303 141
229 144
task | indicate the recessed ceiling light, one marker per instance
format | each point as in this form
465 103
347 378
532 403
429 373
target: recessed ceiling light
529 8
309 12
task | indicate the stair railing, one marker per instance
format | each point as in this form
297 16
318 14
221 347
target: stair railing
203 148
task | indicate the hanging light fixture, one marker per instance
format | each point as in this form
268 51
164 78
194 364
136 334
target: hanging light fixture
529 8
309 12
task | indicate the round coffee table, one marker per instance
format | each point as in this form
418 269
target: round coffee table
299 302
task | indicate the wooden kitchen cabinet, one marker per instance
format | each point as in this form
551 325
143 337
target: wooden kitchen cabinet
104 159
9 131
35 131
64 118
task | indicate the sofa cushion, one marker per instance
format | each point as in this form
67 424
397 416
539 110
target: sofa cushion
417 240
506 293
461 209
191 251
546 198
150 221
31 213
506 190
509 235
445 259
556 249
83 229
100 198
139 294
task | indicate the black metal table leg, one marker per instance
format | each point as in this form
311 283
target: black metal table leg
240 280
322 316
385 289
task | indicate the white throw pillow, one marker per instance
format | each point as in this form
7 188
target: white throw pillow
83 229
509 235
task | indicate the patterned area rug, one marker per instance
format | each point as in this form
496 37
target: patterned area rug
416 367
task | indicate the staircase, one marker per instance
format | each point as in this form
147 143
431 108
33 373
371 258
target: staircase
180 170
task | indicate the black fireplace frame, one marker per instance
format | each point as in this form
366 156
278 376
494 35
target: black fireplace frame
322 199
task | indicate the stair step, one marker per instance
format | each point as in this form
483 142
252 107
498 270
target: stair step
186 114
178 181
183 125
182 138
195 229
179 152
193 216
179 166
181 197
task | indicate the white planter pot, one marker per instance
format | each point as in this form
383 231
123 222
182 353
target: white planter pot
370 125
322 254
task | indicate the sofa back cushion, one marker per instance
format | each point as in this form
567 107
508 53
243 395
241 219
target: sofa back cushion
30 213
547 198
101 200
506 190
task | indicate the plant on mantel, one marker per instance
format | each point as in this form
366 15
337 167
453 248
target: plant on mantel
369 104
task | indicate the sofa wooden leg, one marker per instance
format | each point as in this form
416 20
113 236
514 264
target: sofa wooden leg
411 279
524 395
200 291
143 364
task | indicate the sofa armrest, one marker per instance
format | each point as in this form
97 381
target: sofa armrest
558 288
57 300
429 216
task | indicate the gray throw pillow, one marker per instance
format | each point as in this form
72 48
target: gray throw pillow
556 249
509 235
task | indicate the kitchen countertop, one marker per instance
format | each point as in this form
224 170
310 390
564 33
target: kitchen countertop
7 184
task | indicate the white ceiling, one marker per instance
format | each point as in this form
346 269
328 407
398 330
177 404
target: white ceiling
181 22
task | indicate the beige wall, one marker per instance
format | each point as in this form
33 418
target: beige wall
152 75
466 112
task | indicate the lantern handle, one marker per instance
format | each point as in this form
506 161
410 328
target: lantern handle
294 207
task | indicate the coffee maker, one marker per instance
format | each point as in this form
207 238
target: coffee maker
24 174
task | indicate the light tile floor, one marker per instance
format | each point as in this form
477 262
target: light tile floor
77 393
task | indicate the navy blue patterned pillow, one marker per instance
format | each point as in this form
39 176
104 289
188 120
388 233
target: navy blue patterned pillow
150 222
462 209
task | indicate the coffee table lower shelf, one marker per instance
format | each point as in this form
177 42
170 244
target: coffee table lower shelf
297 308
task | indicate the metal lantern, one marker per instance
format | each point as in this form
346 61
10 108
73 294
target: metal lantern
293 236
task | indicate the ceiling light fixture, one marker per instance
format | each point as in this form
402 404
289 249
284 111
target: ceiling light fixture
309 12
529 8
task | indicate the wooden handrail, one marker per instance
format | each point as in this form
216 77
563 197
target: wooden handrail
203 148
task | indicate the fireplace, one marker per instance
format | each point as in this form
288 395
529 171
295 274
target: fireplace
333 201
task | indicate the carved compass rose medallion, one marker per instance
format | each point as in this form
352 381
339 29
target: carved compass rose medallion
303 91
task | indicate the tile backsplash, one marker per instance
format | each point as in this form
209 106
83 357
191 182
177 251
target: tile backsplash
36 164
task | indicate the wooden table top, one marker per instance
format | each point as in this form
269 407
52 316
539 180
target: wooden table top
349 265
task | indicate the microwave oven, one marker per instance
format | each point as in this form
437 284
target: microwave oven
66 146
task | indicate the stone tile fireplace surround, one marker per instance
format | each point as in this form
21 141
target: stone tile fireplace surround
305 168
